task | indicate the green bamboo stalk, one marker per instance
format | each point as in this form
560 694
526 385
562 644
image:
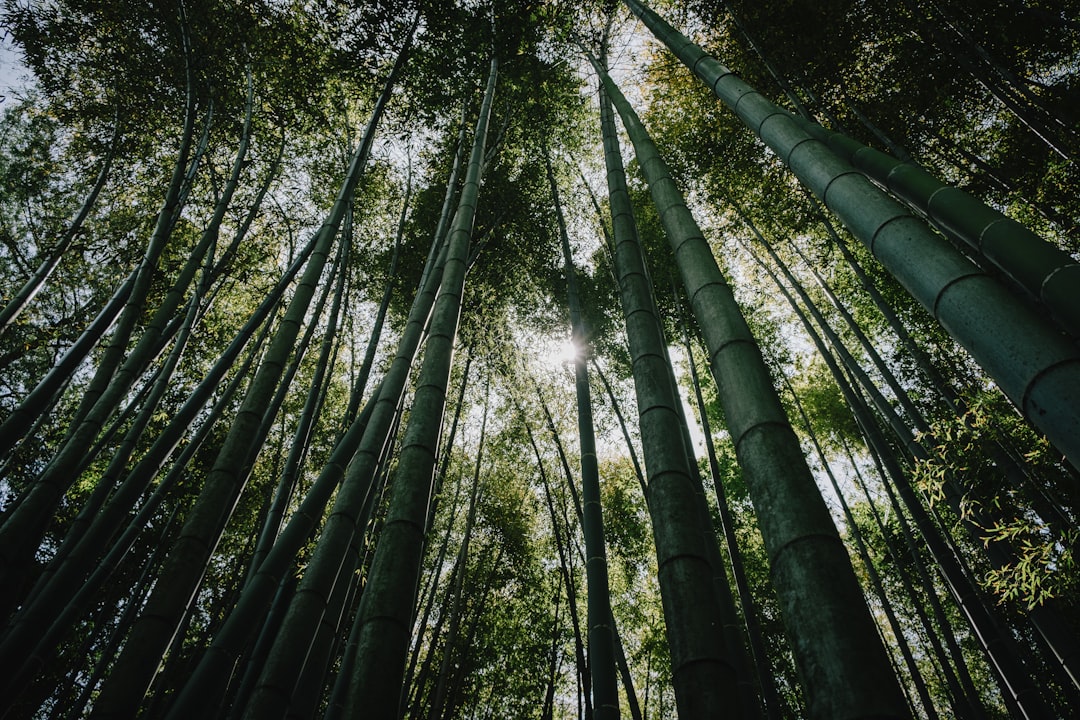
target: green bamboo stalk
704 676
386 610
605 686
1016 683
1041 269
844 666
305 612
185 565
21 533
25 294
769 695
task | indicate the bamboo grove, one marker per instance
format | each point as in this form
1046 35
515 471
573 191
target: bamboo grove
531 359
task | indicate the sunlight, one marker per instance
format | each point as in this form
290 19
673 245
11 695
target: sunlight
557 352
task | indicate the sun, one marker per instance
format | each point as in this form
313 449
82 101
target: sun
559 352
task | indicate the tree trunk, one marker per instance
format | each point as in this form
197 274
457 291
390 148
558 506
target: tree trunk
1017 684
565 551
630 449
964 698
899 635
67 577
765 678
309 415
359 386
354 499
456 605
22 530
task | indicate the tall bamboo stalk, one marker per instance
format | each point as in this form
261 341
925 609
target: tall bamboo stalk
386 610
844 667
704 675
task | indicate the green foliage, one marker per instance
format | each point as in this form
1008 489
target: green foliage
970 457
829 414
1043 570
627 530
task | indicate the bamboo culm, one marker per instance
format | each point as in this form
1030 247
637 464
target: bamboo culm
184 567
1039 268
386 610
806 555
704 677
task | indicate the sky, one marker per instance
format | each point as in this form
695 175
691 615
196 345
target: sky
12 72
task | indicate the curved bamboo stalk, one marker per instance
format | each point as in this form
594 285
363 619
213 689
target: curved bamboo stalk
1016 682
210 679
185 565
35 284
290 472
364 444
386 610
22 531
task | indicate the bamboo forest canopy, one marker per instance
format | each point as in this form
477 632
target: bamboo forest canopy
539 359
